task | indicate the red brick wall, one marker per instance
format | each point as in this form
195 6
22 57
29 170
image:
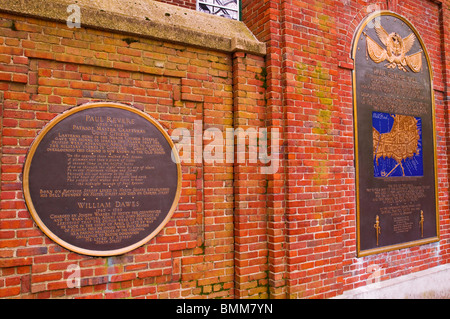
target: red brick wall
190 4
426 17
264 20
46 68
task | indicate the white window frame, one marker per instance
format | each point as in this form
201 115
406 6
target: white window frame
219 7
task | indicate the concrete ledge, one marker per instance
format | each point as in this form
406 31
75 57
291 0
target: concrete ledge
432 283
147 18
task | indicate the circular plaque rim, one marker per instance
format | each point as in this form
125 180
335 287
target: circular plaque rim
29 158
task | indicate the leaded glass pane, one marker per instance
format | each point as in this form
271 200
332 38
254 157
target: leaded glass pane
223 8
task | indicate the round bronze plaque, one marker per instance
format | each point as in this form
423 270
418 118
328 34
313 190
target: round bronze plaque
100 180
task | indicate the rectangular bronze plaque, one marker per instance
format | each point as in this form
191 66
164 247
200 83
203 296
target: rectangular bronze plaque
394 137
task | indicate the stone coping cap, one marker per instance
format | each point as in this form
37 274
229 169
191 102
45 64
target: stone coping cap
147 18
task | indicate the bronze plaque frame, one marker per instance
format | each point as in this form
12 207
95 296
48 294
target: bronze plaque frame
108 194
393 212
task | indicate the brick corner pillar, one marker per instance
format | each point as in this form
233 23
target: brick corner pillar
250 183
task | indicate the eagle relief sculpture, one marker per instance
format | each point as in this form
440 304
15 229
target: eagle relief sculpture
396 50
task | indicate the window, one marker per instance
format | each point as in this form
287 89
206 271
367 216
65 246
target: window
223 8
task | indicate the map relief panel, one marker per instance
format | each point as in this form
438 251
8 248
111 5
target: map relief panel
397 145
